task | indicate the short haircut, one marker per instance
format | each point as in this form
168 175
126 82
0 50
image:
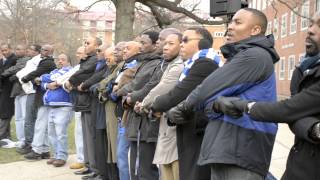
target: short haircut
37 47
262 19
153 35
204 33
98 41
179 36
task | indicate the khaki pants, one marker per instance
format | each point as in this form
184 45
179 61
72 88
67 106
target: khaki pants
170 171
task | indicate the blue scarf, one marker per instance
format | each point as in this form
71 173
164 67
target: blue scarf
308 62
204 53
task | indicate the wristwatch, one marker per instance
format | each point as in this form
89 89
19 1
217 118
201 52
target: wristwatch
249 106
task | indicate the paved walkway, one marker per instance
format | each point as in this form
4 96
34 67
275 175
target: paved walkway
39 170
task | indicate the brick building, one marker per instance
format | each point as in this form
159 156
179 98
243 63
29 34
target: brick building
289 30
99 24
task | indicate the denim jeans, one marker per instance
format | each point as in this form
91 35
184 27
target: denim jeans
78 137
122 154
59 119
40 143
30 119
20 115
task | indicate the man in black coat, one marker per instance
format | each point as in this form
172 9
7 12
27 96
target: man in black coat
6 102
301 111
40 142
195 41
82 103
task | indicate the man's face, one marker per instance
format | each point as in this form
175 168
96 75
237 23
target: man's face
313 36
100 52
160 41
80 54
146 44
118 52
189 45
32 51
45 51
6 51
90 45
62 61
130 50
171 47
241 26
109 56
20 51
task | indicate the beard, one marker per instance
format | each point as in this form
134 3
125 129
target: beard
312 47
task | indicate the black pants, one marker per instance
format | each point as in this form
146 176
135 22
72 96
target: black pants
5 128
89 139
101 152
146 170
113 171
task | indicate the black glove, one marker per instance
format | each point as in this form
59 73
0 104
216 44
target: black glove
180 114
24 80
314 132
231 106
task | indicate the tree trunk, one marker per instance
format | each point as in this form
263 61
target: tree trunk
124 20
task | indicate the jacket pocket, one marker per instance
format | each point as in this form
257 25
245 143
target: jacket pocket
82 102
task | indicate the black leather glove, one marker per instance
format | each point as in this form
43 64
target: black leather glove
180 114
231 106
24 80
314 132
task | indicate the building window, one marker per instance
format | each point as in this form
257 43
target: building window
318 5
264 4
86 24
301 56
284 25
254 4
101 35
101 25
275 28
293 22
291 65
269 28
218 34
259 4
282 68
305 12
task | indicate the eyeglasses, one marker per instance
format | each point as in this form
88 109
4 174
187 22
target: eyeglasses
186 39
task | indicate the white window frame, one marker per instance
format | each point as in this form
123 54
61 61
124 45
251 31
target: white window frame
291 65
317 5
101 25
264 4
293 24
254 4
305 8
284 25
282 68
101 35
86 24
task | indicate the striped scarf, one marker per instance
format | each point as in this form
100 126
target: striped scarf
204 53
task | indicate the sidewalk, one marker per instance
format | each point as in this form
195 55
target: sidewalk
39 170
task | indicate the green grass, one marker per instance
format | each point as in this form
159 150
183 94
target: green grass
10 155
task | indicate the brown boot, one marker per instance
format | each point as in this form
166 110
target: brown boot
59 163
50 161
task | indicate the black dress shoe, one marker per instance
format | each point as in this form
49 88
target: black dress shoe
90 176
83 171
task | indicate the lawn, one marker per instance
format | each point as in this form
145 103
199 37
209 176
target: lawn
10 155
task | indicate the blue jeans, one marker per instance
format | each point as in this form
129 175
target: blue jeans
78 137
122 154
30 119
20 115
40 143
59 119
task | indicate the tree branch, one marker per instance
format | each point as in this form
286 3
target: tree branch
174 8
293 8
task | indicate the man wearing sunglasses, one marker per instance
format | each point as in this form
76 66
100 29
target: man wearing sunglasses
237 149
199 61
